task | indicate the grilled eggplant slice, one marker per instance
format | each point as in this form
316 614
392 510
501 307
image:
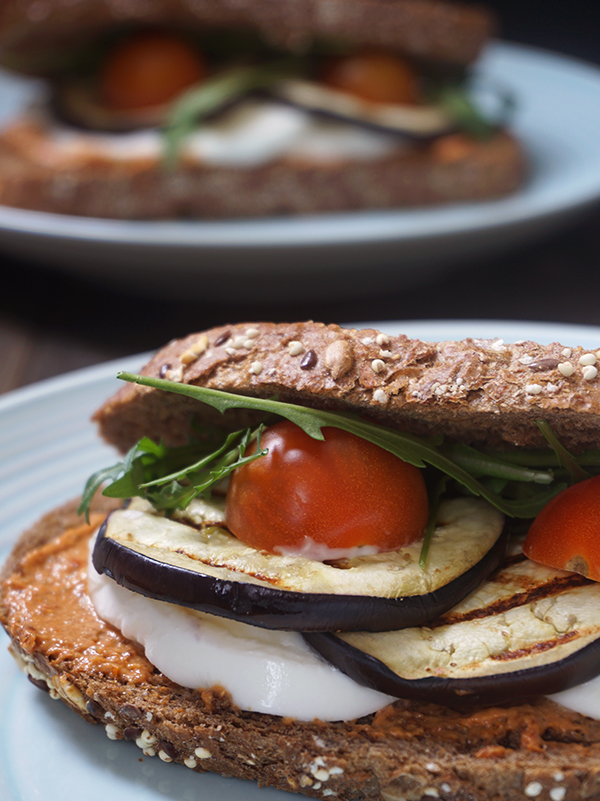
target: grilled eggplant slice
414 122
203 566
528 630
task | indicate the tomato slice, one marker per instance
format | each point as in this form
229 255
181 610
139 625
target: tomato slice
149 68
341 493
378 77
566 533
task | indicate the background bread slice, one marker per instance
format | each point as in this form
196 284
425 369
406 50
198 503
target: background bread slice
404 753
35 174
477 391
451 32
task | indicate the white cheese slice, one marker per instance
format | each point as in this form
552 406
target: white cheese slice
273 672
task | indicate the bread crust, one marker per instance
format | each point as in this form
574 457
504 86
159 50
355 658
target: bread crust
35 174
406 751
432 29
481 392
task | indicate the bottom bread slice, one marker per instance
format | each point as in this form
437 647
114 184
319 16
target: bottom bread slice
36 174
405 752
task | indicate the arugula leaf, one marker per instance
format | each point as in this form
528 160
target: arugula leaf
415 450
147 470
576 472
201 101
434 507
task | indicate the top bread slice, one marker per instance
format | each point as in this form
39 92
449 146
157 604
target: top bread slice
434 30
481 392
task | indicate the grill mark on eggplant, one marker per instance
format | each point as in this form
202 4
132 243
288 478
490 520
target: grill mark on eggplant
214 563
551 588
536 648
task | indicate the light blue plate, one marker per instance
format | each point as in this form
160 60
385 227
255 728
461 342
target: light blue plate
48 447
557 118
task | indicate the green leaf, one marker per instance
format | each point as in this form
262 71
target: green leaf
199 102
482 464
93 484
568 461
412 449
434 508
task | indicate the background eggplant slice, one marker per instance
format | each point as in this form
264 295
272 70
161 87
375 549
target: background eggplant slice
206 568
527 631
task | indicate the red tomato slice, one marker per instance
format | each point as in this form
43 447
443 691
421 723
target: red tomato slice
566 533
341 492
148 69
378 77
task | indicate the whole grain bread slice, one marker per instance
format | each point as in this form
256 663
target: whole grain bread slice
405 752
482 392
437 30
37 173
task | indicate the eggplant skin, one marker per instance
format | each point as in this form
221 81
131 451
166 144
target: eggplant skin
274 608
460 694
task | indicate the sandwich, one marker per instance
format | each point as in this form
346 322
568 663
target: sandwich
355 621
180 109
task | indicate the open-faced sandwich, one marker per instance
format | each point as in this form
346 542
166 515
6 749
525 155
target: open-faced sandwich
313 573
209 110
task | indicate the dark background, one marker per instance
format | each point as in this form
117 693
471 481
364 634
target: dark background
51 322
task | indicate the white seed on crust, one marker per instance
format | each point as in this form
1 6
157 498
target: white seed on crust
377 365
239 342
195 350
379 396
566 352
256 368
533 389
566 368
202 753
190 762
558 793
587 359
147 739
252 333
295 348
382 339
589 372
164 756
533 789
111 731
339 358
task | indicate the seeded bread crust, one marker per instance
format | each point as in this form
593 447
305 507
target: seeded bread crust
36 175
430 29
482 392
404 753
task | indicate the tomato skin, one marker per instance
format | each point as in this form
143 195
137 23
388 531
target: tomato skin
343 492
148 69
566 533
377 77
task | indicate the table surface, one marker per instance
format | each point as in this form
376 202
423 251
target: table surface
51 322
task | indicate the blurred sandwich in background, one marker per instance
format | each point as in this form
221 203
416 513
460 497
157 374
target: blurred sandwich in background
190 108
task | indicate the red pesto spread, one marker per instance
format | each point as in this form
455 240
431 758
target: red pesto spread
50 612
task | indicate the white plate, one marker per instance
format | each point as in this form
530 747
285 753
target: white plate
47 449
558 118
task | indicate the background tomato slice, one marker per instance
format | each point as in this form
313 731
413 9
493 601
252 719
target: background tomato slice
149 68
566 533
342 492
374 76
